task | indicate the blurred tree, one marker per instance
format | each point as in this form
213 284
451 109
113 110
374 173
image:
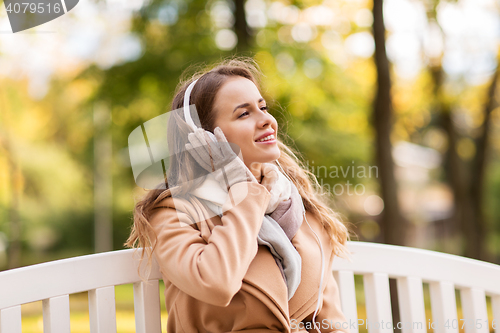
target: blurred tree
326 105
392 223
142 89
466 177
43 193
477 247
103 195
241 26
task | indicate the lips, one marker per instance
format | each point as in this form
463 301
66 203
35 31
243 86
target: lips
266 137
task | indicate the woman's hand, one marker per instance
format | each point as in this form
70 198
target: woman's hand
218 157
269 175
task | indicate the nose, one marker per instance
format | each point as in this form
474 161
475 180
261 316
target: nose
265 120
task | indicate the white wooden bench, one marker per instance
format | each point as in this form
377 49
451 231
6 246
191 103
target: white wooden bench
53 282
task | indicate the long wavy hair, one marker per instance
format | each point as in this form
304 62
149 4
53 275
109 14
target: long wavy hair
183 167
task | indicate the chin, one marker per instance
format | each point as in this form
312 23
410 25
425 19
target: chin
268 156
271 157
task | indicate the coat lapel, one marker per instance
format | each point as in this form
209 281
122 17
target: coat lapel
264 275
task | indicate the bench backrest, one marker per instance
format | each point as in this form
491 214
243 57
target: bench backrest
53 282
412 267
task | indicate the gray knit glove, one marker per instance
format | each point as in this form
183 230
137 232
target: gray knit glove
218 158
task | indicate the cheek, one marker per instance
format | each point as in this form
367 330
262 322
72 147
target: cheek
241 133
235 135
243 137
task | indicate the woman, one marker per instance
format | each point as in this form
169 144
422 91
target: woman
243 242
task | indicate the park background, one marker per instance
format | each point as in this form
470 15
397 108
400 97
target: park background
402 92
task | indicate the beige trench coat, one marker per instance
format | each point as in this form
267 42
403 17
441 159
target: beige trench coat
218 279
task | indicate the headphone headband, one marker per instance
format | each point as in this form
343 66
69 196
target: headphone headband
187 115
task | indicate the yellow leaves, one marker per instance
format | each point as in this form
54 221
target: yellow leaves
363 72
436 138
11 177
272 83
473 102
265 60
412 104
495 120
466 148
62 182
37 123
148 85
399 133
24 118
315 96
157 38
412 122
495 116
369 229
120 115
79 91
144 109
299 109
401 99
353 123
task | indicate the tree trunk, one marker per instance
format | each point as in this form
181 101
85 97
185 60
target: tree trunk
458 177
241 27
103 196
466 180
479 170
392 225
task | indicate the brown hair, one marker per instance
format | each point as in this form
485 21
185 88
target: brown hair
184 166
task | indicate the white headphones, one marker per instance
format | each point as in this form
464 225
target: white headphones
187 114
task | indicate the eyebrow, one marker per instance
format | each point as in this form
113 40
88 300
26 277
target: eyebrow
244 105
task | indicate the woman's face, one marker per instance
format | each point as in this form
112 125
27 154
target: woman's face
241 113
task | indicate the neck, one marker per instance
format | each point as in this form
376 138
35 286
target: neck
255 168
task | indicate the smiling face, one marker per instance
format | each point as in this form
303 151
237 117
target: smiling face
241 113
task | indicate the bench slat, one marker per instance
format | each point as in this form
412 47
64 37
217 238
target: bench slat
474 310
378 303
443 304
102 310
495 305
10 320
347 291
56 314
411 304
147 307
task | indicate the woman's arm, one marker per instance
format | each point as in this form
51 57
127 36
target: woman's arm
212 272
